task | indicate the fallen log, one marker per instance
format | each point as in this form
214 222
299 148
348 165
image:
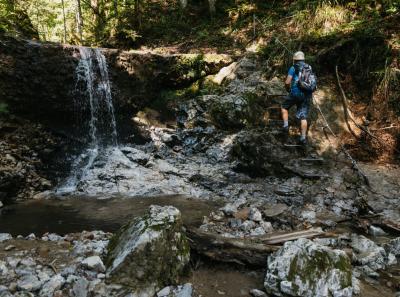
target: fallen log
251 251
229 250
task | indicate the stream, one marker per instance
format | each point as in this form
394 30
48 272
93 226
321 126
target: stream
76 214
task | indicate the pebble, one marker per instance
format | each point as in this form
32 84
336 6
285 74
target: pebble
255 215
229 209
258 293
376 231
80 287
164 292
12 287
267 226
31 236
5 236
54 284
94 263
247 225
29 283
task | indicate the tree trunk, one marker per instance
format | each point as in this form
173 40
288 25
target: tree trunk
183 3
137 13
212 7
115 2
65 25
79 20
96 12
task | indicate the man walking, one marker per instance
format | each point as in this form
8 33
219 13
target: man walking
298 96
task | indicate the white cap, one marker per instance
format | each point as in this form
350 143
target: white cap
298 56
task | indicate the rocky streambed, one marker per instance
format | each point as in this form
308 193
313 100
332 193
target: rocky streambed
288 221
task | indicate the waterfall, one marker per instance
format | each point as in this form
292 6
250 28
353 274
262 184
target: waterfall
93 99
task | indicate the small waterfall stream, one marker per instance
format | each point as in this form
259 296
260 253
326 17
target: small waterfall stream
93 92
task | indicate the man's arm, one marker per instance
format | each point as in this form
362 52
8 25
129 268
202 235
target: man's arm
288 82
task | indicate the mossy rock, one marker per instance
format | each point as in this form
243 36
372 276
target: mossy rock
304 268
150 252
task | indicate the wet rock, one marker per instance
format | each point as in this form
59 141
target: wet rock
24 294
31 236
255 215
5 236
229 209
247 226
54 237
257 231
267 226
9 247
376 231
257 293
29 282
309 216
304 268
185 291
3 268
54 284
367 253
94 263
80 287
272 210
235 223
149 252
393 247
164 292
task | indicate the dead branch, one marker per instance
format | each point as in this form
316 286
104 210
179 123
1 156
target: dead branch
346 111
342 148
349 115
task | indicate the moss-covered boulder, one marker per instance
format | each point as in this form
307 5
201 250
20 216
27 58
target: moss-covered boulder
150 252
304 268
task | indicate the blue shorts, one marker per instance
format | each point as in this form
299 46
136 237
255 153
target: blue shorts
302 103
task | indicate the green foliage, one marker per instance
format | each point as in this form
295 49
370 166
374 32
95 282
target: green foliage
3 108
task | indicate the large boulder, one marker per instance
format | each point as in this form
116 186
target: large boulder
150 252
304 268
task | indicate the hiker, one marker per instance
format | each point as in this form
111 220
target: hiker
300 83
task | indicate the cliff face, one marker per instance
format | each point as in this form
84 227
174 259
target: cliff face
41 128
37 80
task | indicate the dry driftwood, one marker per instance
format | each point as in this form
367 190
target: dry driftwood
251 251
283 237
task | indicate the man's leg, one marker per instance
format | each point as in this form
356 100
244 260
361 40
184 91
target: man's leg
302 113
286 105
303 128
285 117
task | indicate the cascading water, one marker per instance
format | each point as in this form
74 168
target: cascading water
104 168
93 93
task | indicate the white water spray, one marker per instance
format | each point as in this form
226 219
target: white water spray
93 92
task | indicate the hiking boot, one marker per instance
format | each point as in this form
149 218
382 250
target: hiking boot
303 142
285 131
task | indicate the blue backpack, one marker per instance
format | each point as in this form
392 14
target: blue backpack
307 80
